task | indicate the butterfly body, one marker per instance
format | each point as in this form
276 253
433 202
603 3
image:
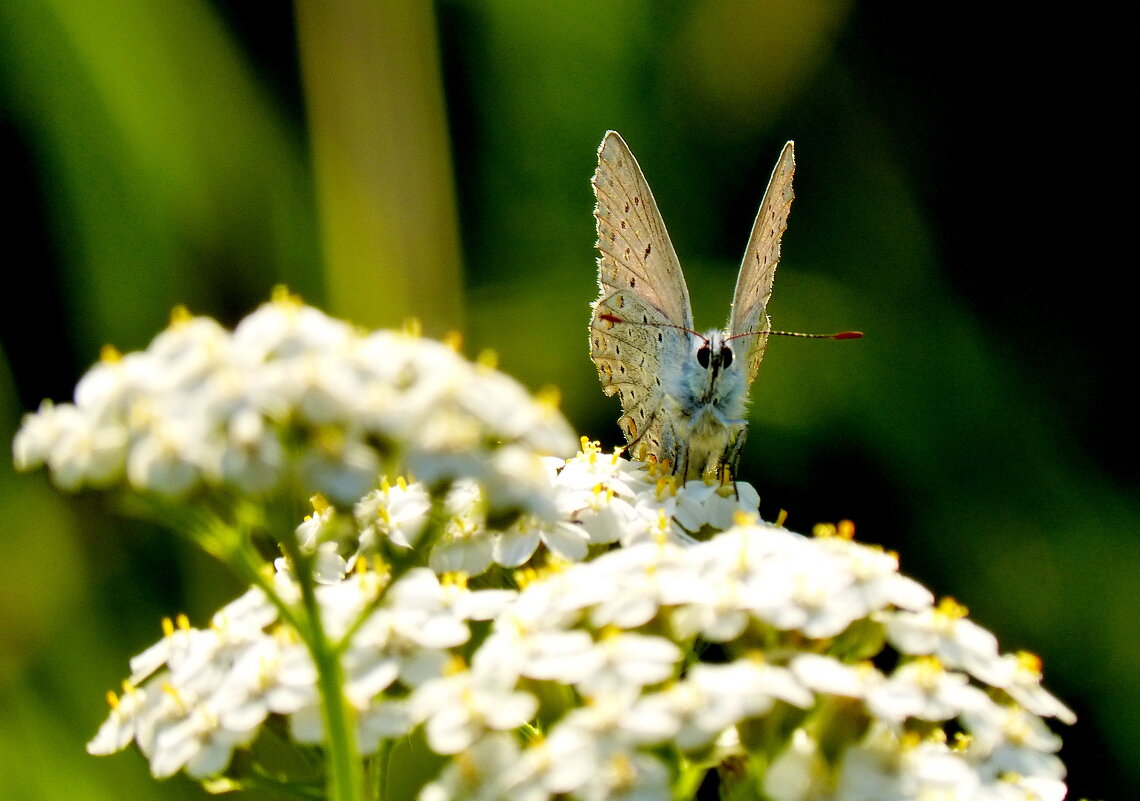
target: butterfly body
684 394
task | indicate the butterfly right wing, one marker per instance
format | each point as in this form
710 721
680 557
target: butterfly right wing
758 270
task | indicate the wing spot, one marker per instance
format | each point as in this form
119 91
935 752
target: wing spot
648 248
636 200
632 282
627 208
644 319
623 225
660 338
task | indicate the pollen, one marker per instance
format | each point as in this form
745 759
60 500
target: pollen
549 396
454 340
1029 662
455 666
454 579
488 359
950 608
180 315
320 503
823 530
743 518
110 355
282 296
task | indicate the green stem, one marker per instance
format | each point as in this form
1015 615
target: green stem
342 752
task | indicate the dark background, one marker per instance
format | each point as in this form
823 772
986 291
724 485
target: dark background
959 175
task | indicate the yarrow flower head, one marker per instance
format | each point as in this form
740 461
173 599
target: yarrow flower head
536 626
293 397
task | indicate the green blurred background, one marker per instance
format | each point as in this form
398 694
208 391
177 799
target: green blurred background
396 159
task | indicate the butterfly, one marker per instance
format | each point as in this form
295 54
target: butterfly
683 393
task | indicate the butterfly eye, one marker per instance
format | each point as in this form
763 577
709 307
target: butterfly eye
703 355
725 356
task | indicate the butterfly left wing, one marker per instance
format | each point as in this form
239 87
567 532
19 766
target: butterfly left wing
635 251
758 270
637 331
632 345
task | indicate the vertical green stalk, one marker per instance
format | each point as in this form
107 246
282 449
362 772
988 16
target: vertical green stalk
381 161
345 768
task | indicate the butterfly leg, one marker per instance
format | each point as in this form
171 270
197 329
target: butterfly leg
677 452
730 460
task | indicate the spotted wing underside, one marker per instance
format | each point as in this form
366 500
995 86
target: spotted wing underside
627 338
638 321
758 270
635 251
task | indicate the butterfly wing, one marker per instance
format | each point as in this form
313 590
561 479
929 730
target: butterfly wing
758 270
632 346
635 251
636 329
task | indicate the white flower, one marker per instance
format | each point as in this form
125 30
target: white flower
517 544
198 743
623 660
882 767
876 582
78 451
800 772
481 773
825 674
1020 676
395 512
429 613
944 631
589 755
701 503
467 545
459 708
924 689
131 716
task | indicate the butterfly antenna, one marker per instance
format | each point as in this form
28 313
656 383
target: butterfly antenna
839 335
613 318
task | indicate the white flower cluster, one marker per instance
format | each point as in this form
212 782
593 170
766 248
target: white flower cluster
293 398
198 694
595 659
599 499
658 631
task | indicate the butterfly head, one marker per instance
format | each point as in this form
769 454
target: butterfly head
713 352
714 375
